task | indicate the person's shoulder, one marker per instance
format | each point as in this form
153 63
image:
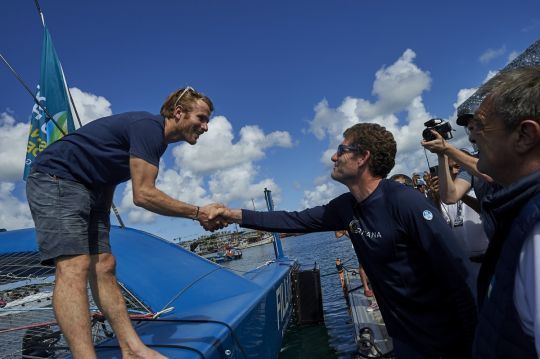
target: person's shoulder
139 115
346 197
398 191
403 199
464 175
142 119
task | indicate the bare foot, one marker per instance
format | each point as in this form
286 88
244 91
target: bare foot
143 353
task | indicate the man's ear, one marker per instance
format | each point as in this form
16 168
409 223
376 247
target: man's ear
178 112
527 136
363 157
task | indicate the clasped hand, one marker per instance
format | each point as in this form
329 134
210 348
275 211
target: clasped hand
214 216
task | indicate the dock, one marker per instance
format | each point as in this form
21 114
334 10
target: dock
371 336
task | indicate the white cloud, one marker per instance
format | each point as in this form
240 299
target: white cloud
89 106
14 135
398 89
216 169
14 213
491 54
13 139
463 95
398 84
323 192
215 149
237 184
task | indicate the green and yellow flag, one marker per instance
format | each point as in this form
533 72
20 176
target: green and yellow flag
52 95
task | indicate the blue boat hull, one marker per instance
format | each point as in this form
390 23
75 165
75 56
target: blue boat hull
212 312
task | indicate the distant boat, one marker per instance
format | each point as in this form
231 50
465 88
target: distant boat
262 238
226 256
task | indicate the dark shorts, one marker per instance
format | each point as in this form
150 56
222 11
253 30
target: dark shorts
70 219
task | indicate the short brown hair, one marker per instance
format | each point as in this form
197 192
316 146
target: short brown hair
379 142
189 97
402 177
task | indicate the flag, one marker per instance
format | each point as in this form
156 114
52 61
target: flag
52 94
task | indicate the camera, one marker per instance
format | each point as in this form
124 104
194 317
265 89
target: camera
438 124
434 170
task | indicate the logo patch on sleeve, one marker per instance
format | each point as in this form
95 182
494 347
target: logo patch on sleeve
427 215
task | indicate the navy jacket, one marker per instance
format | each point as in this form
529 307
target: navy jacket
418 271
514 211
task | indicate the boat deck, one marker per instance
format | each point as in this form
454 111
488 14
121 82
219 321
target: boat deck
372 342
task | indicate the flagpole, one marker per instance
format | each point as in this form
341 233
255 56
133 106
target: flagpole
40 13
115 210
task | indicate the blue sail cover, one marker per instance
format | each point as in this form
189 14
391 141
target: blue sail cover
51 94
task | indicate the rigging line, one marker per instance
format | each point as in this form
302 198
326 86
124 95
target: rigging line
189 286
47 113
51 118
427 159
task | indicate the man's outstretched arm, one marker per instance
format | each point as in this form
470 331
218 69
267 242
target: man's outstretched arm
148 196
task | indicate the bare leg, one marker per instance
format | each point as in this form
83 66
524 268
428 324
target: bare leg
363 277
108 296
70 301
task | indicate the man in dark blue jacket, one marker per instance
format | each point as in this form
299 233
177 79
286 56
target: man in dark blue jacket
506 129
418 272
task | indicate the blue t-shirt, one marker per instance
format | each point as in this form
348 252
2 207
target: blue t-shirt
97 154
419 274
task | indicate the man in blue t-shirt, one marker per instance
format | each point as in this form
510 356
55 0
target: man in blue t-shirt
70 191
417 270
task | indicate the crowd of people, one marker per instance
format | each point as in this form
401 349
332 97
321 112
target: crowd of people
450 255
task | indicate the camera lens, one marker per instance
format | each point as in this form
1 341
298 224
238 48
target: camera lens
427 135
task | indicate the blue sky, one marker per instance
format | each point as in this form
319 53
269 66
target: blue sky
286 78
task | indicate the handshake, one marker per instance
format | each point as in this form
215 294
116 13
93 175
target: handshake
216 216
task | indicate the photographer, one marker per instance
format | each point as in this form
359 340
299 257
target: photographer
453 191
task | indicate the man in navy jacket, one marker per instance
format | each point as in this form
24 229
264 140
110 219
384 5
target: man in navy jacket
506 129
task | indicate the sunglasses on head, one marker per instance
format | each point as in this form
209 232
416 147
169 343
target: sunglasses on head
188 88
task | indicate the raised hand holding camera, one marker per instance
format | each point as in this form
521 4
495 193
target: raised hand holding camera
437 144
438 125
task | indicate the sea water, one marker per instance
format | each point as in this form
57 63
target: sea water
335 338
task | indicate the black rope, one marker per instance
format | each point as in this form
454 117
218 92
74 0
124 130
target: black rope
354 289
49 116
